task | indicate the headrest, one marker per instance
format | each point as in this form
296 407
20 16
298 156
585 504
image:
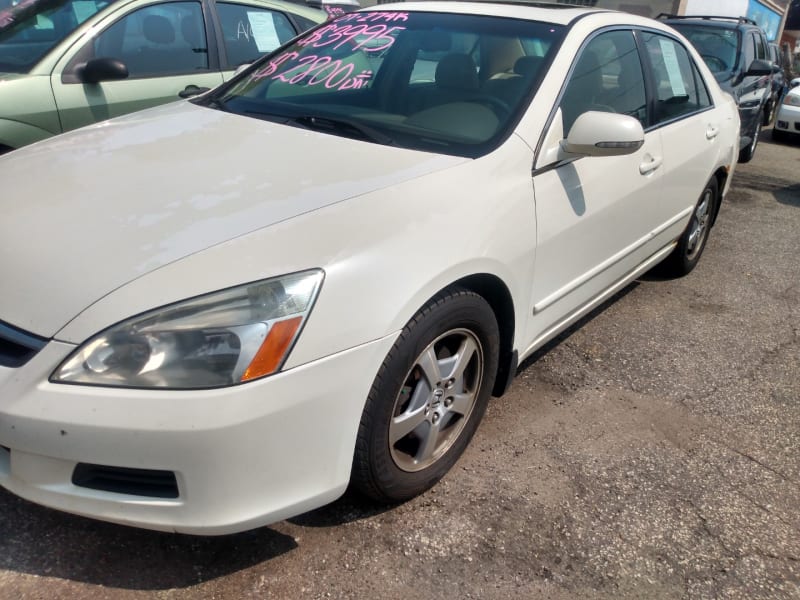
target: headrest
528 66
457 71
158 29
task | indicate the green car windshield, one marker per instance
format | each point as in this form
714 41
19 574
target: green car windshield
30 28
449 83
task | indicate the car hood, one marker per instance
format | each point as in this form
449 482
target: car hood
91 210
9 76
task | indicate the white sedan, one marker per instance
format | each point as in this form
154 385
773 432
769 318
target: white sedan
787 120
220 313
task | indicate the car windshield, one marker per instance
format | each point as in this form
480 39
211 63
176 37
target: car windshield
718 46
30 28
446 83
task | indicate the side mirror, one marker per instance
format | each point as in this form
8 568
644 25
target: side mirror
794 82
603 134
759 67
776 68
102 69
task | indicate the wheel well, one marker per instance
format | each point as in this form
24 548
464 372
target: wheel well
495 292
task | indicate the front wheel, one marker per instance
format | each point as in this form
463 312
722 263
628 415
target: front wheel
428 397
690 246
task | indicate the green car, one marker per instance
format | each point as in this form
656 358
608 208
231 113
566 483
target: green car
69 63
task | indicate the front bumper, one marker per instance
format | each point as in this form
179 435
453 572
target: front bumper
242 457
788 119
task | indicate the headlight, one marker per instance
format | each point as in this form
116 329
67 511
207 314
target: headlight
792 100
219 339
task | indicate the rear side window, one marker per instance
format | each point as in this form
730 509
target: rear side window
252 32
680 89
761 47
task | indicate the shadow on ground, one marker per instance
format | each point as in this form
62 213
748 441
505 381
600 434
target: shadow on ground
46 543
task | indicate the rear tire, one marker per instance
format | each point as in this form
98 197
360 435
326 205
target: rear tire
692 242
427 398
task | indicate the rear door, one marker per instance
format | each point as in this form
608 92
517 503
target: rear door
165 48
689 126
249 32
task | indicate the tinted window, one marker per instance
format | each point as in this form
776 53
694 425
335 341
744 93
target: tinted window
718 46
252 32
28 31
680 90
163 39
761 48
607 77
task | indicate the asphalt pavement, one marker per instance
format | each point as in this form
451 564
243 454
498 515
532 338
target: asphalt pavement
652 451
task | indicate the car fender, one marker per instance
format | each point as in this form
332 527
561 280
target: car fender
377 274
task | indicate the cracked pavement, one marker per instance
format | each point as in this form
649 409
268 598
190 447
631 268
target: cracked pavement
652 451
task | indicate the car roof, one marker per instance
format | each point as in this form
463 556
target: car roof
559 14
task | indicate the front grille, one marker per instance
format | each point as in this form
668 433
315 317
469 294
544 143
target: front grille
120 480
17 346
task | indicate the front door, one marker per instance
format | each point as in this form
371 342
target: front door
594 214
164 46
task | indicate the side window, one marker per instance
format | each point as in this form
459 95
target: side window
607 77
163 39
761 50
749 51
252 32
680 89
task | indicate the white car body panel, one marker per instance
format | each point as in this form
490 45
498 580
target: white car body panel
390 227
129 226
788 114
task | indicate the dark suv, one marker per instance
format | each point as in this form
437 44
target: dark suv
736 51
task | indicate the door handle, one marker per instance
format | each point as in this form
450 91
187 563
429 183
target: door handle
712 132
192 90
650 164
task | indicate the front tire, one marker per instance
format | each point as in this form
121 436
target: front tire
692 242
428 397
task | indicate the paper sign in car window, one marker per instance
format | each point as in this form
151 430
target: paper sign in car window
83 9
43 22
673 68
263 27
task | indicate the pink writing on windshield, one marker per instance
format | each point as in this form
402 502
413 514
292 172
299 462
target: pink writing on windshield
315 70
334 11
372 38
373 17
272 66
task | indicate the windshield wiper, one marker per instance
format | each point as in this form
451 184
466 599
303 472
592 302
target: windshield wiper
339 125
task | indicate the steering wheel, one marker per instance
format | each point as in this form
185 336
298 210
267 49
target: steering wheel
713 62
